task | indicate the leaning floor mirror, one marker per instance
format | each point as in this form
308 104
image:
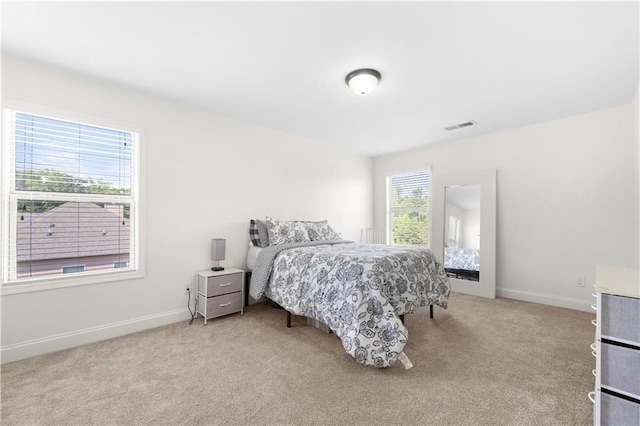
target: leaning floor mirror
463 230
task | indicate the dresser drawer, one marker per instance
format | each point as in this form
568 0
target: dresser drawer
220 284
620 318
617 411
620 368
220 305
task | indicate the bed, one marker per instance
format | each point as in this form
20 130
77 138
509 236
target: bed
462 263
360 291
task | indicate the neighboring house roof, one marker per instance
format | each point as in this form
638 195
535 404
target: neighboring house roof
73 229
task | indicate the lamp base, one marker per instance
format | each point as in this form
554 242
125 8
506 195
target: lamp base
217 268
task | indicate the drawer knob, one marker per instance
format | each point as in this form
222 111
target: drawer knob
225 304
224 285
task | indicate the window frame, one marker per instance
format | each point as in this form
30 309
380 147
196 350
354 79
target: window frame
428 210
457 226
8 200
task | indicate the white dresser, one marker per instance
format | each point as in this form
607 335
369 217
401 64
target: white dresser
617 347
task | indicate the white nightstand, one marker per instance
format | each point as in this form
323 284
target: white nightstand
220 293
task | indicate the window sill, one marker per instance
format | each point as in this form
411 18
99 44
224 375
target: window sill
45 284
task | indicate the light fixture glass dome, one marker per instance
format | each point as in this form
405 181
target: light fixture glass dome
363 81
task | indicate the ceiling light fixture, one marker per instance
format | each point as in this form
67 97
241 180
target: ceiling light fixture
363 81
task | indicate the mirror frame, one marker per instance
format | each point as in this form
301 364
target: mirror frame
486 287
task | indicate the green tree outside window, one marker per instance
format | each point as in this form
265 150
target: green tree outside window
409 208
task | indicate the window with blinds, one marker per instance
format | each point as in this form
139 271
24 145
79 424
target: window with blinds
70 199
408 208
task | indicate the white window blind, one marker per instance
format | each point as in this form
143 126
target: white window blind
408 201
70 198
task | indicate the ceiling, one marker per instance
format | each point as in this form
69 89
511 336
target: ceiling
282 65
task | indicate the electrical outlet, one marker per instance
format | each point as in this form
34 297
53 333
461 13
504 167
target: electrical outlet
579 281
187 287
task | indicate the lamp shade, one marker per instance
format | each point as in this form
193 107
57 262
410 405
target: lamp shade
217 248
363 81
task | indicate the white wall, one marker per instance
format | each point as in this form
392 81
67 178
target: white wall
635 120
206 176
567 194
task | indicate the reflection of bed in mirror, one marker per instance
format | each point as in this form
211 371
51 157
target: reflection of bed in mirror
462 263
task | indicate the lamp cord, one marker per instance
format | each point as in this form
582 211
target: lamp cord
195 307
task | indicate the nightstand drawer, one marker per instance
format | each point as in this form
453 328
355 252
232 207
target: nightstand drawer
618 411
220 305
620 368
620 318
220 284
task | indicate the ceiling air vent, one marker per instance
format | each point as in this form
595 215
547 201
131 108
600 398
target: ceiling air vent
461 125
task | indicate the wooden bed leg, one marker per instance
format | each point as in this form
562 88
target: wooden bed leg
430 311
288 319
402 318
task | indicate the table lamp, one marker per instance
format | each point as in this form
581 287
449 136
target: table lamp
217 252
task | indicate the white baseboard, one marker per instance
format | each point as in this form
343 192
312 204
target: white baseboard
546 299
22 350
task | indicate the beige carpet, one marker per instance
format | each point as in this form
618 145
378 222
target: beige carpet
479 362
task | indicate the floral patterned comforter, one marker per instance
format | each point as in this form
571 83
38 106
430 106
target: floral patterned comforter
358 291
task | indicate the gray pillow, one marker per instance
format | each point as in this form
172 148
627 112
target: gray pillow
263 233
